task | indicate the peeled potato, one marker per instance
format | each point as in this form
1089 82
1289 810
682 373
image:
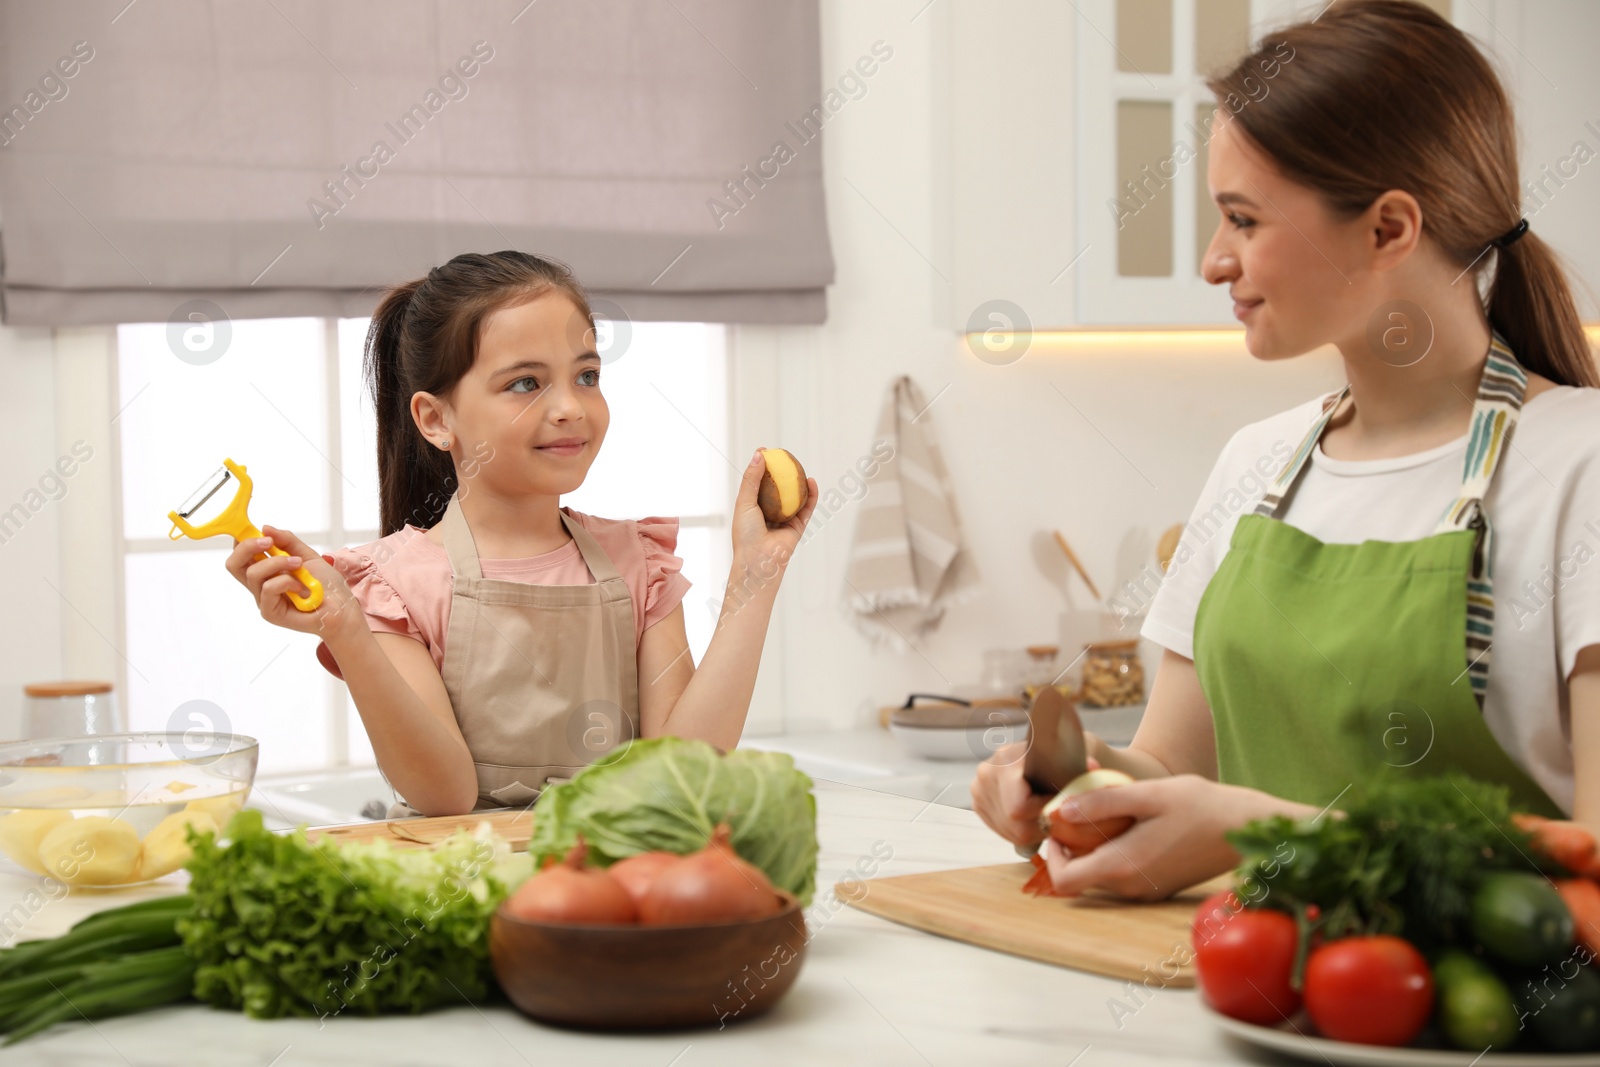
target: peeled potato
166 848
93 850
220 808
783 487
21 832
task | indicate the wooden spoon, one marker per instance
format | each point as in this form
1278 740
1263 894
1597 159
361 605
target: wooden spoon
1167 547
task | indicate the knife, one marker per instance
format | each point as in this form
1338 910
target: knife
1056 753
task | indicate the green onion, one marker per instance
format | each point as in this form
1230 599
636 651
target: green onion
113 962
111 987
135 927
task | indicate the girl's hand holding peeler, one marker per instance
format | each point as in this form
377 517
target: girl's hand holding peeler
269 578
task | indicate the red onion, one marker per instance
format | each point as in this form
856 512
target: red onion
567 892
711 885
637 872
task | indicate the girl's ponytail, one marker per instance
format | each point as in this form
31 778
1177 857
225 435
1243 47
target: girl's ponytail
414 480
424 338
1532 307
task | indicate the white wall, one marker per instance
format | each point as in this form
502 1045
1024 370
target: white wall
30 625
57 557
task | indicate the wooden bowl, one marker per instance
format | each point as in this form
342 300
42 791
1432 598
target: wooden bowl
628 977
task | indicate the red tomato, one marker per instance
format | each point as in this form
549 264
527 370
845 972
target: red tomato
1245 967
1372 990
1213 911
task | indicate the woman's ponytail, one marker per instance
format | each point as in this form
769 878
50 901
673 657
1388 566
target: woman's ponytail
1532 307
424 338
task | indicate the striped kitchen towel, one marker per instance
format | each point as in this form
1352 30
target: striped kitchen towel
908 563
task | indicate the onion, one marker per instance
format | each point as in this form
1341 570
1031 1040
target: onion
1082 838
712 885
568 892
637 872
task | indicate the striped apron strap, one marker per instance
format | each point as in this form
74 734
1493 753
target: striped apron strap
1494 416
1272 503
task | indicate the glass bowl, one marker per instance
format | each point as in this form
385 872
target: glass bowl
113 809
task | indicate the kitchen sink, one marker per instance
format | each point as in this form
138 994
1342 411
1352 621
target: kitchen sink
321 798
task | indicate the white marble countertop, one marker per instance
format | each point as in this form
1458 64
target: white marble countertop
871 992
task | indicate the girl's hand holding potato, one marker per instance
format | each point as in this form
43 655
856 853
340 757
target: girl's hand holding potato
757 545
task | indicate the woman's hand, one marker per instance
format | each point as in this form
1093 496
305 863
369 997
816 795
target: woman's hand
1176 842
1004 800
270 578
758 547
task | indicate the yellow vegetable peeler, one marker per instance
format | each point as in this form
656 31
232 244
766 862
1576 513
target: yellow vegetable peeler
235 522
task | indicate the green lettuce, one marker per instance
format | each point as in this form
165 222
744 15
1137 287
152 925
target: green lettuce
281 926
669 793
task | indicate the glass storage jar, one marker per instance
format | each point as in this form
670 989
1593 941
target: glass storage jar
70 709
1113 675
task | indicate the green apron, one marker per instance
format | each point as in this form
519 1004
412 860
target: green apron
1328 665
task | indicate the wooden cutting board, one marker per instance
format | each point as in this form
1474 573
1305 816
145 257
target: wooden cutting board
986 906
515 826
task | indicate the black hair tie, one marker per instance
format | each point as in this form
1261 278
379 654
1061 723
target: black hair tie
1511 236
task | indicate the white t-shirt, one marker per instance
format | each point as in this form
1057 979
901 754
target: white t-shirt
1544 504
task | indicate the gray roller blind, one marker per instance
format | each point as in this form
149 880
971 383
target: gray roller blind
295 157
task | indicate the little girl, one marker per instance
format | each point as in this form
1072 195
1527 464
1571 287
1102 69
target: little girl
510 641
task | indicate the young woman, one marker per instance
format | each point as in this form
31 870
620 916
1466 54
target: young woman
499 640
1417 592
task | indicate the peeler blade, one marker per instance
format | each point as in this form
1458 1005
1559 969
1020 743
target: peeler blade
208 489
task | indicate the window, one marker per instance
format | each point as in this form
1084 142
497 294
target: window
285 398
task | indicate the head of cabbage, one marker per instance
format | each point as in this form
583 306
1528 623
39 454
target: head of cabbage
669 793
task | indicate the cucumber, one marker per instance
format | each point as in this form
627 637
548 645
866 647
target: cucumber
1563 1013
1519 918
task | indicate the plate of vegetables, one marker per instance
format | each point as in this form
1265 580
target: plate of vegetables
1426 923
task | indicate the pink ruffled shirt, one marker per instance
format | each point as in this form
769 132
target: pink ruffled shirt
403 581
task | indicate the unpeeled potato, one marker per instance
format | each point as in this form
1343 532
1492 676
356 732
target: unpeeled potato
166 848
784 489
21 832
93 850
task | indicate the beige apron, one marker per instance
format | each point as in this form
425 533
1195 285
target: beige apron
544 679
